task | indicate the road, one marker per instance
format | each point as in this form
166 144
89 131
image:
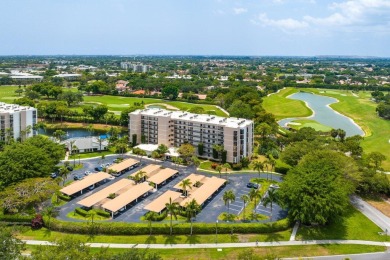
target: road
372 213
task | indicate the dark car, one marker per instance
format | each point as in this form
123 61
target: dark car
99 169
252 185
70 168
77 177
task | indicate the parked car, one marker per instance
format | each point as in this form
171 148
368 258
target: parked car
274 186
99 169
252 185
91 187
78 177
70 168
87 173
53 175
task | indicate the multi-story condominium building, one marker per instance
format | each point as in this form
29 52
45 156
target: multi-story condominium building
135 67
17 121
173 128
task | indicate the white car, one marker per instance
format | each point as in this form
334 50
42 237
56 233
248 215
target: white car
87 173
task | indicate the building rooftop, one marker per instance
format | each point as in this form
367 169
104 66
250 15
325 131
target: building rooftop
86 142
10 108
67 75
200 118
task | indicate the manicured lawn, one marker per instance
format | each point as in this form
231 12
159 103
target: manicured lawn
309 123
47 235
75 215
354 225
90 155
270 252
7 93
283 107
362 110
116 103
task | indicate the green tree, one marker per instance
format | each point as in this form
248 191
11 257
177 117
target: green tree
59 134
218 148
186 151
196 162
258 166
227 167
192 208
10 246
245 199
172 209
271 198
185 184
228 197
253 196
170 92
219 169
150 216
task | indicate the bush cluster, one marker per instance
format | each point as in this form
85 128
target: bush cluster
236 166
103 213
214 165
81 212
16 218
37 222
64 197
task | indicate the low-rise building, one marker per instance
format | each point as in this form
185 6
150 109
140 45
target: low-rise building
85 144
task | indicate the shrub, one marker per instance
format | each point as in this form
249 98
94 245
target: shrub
103 213
237 166
282 167
37 222
64 197
223 156
81 212
245 162
16 218
214 165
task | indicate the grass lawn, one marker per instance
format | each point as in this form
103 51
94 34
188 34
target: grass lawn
270 252
72 125
283 107
298 124
362 110
354 225
116 103
47 235
7 94
75 215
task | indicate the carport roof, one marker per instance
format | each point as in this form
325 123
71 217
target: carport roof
205 191
104 193
125 198
151 168
84 183
162 175
158 204
122 165
193 178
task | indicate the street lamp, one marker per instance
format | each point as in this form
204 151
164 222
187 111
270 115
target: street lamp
216 231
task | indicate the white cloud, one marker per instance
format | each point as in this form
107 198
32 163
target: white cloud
359 15
239 10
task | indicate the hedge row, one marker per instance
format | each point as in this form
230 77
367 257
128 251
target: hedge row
64 197
118 228
81 212
15 218
103 213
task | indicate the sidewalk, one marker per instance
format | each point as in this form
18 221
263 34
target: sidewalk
225 245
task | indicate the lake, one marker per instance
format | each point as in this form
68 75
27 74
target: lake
324 114
74 132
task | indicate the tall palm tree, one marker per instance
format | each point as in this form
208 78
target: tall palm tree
267 163
228 197
195 160
192 208
253 195
75 148
219 149
150 216
172 209
272 162
49 212
184 184
245 199
272 197
139 176
259 166
227 167
64 172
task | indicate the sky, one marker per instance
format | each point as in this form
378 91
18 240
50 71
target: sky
195 27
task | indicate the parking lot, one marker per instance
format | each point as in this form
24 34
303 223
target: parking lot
212 209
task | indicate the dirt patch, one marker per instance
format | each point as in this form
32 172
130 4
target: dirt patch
383 205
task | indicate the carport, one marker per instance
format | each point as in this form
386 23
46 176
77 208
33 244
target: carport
84 183
149 170
123 166
127 197
162 176
209 187
194 178
158 205
104 193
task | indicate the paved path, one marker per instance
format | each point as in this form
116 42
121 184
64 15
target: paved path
371 256
225 245
294 231
372 213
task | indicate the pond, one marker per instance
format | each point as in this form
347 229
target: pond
74 132
156 106
324 114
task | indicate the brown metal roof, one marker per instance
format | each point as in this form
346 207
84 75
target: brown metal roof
104 193
208 188
193 178
162 175
158 204
125 198
150 169
84 183
122 165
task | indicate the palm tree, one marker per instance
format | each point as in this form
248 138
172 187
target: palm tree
245 199
91 215
266 164
259 166
228 197
192 208
150 216
49 212
253 195
64 172
139 176
75 148
218 148
172 209
272 197
219 169
184 184
227 167
272 163
195 160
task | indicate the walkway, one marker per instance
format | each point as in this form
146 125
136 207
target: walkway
225 245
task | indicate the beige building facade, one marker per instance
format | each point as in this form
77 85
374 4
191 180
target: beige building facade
173 128
17 121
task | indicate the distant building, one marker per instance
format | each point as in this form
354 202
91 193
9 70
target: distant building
73 76
121 85
173 128
22 77
17 121
85 144
135 67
